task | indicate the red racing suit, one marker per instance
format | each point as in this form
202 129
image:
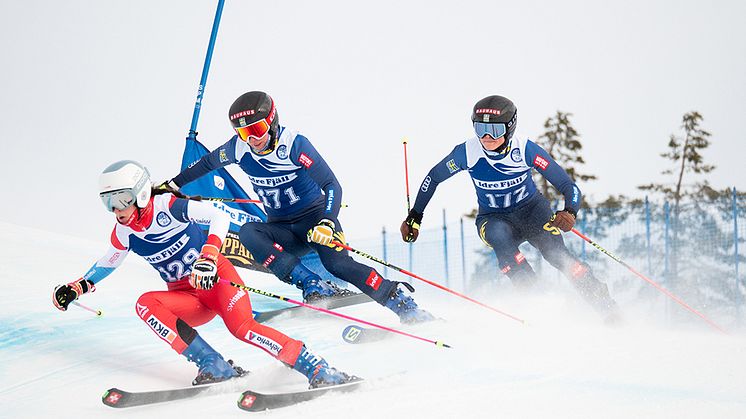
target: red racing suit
166 234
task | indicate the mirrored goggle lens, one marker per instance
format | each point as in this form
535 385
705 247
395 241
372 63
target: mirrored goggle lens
257 129
494 130
117 199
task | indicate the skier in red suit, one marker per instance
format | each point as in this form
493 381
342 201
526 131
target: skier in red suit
163 229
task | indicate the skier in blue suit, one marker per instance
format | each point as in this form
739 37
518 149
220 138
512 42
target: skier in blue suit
302 198
511 210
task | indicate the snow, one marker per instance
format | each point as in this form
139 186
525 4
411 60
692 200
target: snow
565 363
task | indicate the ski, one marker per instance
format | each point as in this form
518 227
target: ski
115 397
356 334
332 303
253 401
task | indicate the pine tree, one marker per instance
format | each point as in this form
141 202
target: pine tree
701 241
685 155
562 141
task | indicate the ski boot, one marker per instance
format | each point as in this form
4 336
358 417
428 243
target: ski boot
596 293
407 310
212 367
318 371
314 288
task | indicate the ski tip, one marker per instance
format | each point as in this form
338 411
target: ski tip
112 396
253 401
351 333
246 401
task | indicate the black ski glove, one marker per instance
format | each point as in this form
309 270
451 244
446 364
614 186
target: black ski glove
63 295
410 228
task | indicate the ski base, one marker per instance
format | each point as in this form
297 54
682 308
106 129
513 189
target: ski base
356 334
253 401
118 398
330 304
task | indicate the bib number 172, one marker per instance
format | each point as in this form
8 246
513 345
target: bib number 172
505 200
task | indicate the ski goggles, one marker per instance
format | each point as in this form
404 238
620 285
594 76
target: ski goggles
256 130
493 130
119 199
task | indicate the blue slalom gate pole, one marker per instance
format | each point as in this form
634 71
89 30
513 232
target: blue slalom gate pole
735 251
445 247
583 230
463 254
385 254
647 232
205 70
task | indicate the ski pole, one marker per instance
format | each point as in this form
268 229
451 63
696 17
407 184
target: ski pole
406 174
334 313
406 183
435 284
648 280
237 200
98 313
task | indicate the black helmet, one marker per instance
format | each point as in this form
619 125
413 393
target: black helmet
496 110
253 114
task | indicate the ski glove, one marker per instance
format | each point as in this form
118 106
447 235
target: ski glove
63 295
563 220
322 233
205 269
410 228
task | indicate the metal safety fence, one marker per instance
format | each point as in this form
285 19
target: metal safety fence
693 250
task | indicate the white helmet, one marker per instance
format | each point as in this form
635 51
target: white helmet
124 183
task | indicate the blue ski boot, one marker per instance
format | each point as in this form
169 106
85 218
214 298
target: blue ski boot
407 310
314 288
318 371
212 367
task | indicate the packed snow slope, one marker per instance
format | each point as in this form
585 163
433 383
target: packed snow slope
564 363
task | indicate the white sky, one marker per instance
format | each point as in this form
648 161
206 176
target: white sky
87 83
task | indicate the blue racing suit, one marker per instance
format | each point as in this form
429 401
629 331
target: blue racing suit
512 210
298 190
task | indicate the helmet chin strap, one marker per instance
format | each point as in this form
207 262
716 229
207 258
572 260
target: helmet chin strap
503 148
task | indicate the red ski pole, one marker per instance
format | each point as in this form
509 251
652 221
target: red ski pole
649 281
406 174
98 313
334 313
435 284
